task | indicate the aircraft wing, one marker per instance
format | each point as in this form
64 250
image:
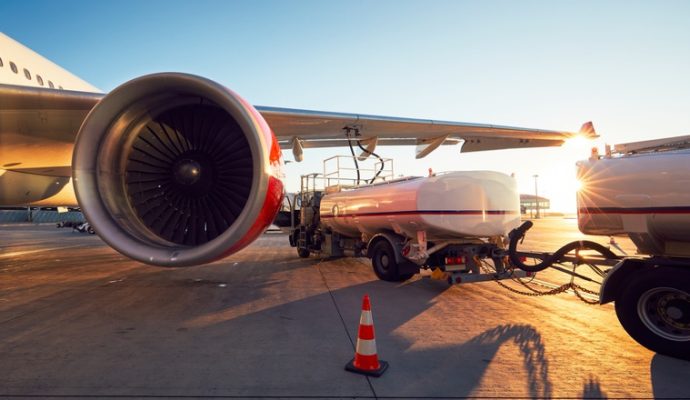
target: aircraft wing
298 129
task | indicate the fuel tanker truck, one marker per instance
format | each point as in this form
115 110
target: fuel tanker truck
454 221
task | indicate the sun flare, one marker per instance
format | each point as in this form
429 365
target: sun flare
579 145
558 179
577 185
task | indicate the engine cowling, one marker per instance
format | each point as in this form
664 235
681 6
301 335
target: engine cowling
177 170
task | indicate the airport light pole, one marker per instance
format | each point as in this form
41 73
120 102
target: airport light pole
536 196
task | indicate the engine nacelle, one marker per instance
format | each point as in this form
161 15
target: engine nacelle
177 170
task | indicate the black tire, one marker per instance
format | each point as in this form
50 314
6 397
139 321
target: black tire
654 308
383 261
302 252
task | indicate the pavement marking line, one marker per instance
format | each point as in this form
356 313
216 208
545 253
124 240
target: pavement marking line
342 320
22 253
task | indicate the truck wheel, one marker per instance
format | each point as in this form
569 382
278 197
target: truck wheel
302 252
383 261
654 308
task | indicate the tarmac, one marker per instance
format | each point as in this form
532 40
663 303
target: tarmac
78 319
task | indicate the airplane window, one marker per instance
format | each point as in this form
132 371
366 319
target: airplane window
50 83
39 79
13 67
27 74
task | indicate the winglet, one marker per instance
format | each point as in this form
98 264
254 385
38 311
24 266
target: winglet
587 130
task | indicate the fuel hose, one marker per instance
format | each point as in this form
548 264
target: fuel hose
518 233
375 155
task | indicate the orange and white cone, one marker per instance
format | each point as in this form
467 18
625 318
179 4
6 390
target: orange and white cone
366 359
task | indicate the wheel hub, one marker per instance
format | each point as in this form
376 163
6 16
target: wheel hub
384 261
666 312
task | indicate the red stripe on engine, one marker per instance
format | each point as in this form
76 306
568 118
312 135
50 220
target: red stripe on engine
272 202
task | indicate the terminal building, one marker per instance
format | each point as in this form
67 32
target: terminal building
529 202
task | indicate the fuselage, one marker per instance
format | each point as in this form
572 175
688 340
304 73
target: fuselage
19 65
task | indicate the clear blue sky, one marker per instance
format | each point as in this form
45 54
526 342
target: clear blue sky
540 64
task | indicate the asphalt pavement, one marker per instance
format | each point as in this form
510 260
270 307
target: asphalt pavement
79 320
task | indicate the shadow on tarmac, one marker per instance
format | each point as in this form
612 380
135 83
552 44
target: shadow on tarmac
592 389
471 360
532 351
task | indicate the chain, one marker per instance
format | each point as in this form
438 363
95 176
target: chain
533 292
576 289
537 293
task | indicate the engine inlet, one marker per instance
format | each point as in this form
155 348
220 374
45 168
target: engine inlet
174 170
188 173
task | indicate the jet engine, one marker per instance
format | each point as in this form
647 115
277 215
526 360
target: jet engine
177 170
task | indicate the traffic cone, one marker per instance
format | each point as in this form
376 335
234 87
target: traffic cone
366 360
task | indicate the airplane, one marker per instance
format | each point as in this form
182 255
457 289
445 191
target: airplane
173 169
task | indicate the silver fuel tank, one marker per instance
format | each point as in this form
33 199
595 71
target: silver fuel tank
646 196
474 204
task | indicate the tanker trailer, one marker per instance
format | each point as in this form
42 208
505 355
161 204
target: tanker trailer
454 221
641 190
646 196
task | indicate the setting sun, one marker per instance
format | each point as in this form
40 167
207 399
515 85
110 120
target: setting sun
557 178
579 145
577 185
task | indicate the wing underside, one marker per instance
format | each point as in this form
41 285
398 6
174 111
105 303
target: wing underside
297 129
